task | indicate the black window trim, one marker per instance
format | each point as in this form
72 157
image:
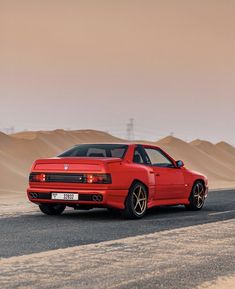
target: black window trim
143 154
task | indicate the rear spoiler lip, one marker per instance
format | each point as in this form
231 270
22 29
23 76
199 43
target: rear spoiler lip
78 159
84 161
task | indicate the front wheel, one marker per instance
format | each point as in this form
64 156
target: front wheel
136 202
197 197
52 209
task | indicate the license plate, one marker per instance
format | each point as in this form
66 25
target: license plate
64 196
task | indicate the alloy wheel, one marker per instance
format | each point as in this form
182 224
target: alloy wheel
199 195
139 200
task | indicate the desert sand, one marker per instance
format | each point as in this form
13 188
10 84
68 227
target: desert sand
220 283
18 151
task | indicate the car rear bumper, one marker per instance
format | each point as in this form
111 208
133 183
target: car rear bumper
96 198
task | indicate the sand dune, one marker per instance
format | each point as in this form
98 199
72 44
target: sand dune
18 151
216 152
226 147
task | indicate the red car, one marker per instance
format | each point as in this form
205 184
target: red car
126 177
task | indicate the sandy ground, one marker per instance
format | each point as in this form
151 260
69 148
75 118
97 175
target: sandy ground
13 204
220 283
126 262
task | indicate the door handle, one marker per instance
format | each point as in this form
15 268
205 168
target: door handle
157 174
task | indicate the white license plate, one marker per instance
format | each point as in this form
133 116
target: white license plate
64 196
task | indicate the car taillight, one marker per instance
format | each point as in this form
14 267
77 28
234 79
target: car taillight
37 177
71 178
98 178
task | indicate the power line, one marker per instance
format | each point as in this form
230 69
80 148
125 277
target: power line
130 129
9 130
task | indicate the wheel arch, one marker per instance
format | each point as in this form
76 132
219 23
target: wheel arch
139 181
128 211
199 180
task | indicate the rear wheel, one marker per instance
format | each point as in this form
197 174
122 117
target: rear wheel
197 197
52 209
136 202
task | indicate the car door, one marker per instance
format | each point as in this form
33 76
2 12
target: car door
169 180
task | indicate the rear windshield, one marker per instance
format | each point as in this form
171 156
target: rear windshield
97 151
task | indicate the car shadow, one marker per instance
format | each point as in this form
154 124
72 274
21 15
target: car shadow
105 215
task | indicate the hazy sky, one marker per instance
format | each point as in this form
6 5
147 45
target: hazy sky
169 64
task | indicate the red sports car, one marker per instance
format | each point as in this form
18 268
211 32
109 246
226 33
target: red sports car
126 177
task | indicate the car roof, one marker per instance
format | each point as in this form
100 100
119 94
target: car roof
120 143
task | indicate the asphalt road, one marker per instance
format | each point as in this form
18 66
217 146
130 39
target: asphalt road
26 234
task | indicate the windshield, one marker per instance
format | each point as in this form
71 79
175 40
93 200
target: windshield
97 151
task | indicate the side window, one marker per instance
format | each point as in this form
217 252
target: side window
158 159
137 158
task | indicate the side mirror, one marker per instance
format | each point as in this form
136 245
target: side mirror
179 164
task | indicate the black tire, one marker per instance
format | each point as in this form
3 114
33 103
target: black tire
136 202
52 209
197 197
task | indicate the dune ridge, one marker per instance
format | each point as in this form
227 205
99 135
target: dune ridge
18 151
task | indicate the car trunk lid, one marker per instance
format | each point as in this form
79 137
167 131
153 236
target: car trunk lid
73 164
